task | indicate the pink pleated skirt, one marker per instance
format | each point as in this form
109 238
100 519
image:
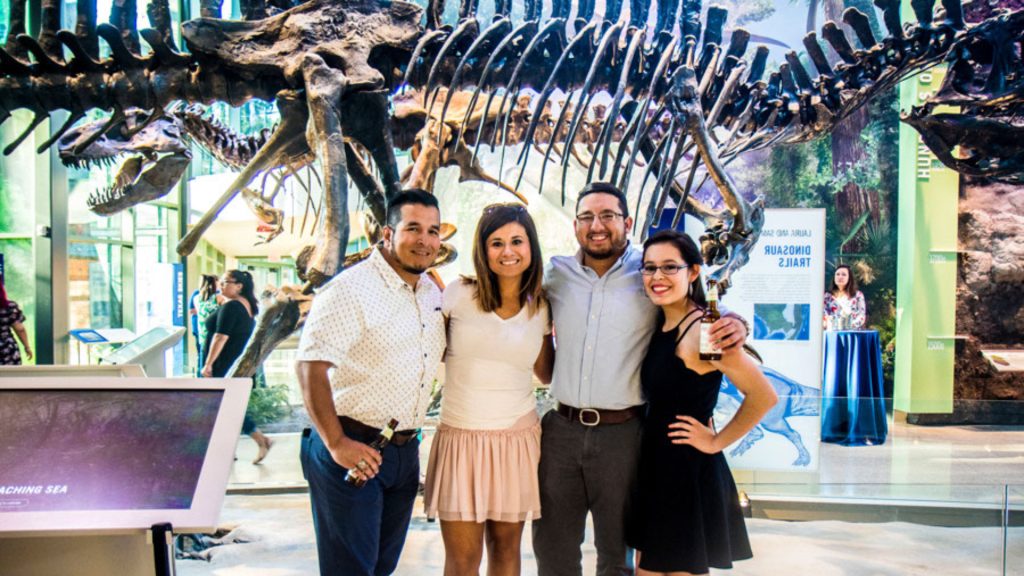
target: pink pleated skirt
480 475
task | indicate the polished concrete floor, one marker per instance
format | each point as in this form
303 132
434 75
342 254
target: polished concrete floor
958 471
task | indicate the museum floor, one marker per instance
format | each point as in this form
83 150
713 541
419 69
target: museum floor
931 500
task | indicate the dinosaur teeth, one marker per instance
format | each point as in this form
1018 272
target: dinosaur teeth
108 195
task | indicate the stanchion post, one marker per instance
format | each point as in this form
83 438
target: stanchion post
163 549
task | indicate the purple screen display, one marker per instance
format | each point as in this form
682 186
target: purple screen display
103 449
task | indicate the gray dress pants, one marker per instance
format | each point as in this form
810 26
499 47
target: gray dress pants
584 469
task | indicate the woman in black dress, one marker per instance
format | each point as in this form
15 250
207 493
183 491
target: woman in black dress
686 516
12 319
227 333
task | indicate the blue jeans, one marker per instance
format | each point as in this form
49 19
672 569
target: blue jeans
360 531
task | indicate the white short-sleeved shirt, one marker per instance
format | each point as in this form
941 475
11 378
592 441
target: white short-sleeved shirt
489 363
384 339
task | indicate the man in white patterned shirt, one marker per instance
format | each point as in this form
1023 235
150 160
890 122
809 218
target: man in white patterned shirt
369 352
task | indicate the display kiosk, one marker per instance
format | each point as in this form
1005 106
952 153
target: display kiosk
149 350
96 473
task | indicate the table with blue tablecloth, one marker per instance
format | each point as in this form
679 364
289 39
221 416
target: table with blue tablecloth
852 395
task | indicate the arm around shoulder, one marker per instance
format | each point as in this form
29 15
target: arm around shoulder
544 367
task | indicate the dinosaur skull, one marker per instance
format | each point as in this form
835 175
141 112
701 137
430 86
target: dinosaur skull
157 157
985 135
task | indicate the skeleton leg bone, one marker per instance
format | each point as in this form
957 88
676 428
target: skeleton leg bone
325 87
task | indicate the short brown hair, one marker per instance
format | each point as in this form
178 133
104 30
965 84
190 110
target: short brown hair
531 286
604 188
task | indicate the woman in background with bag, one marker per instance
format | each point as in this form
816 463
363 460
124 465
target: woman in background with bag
228 332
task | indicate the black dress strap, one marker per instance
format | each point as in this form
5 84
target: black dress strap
690 325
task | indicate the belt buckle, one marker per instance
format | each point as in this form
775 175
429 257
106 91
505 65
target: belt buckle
597 416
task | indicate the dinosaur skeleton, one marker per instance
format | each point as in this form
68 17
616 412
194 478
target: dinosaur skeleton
331 67
158 150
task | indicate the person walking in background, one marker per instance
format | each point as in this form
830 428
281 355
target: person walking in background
369 353
686 515
590 444
193 317
482 474
12 319
227 333
844 303
207 300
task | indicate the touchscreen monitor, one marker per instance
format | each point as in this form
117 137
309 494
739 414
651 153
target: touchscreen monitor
116 453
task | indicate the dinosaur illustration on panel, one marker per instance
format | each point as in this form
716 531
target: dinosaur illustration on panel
795 399
333 67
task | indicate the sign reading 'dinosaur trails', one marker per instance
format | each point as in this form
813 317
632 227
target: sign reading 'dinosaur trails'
780 291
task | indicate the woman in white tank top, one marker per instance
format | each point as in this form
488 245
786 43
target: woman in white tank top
482 474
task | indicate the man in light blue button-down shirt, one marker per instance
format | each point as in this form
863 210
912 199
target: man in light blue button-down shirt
590 444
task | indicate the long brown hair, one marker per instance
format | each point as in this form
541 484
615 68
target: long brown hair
531 286
851 284
3 296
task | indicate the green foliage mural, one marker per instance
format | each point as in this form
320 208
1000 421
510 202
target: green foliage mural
860 219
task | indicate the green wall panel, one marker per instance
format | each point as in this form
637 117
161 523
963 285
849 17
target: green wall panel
927 267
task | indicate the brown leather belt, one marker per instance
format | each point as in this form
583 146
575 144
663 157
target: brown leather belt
357 430
598 416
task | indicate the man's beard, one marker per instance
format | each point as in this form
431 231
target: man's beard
614 250
599 255
405 266
411 269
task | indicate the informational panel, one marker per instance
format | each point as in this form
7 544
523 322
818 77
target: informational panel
780 292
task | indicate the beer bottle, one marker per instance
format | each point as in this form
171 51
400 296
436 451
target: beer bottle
378 444
709 349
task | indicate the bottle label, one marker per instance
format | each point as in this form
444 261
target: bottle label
387 433
707 345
